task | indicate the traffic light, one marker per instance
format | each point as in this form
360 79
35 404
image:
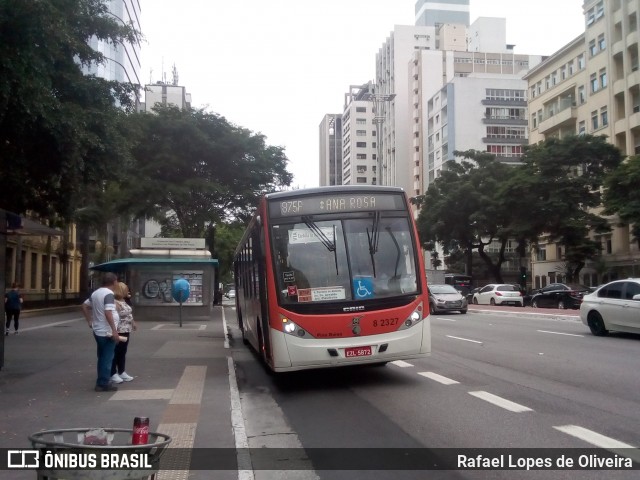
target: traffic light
523 276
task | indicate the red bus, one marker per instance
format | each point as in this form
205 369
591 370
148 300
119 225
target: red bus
332 276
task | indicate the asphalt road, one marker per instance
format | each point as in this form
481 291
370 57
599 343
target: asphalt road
497 378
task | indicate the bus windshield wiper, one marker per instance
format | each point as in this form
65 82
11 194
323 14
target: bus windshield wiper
331 246
393 237
373 239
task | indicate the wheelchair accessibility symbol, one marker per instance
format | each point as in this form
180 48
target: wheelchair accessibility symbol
363 287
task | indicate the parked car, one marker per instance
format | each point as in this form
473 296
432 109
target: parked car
472 293
614 306
230 293
559 295
498 294
445 298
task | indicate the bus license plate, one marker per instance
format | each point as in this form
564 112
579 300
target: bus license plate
357 352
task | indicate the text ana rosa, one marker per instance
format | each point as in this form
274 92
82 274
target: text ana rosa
529 463
73 460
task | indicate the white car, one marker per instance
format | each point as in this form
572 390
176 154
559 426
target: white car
614 306
498 294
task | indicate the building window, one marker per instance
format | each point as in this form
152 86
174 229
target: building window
361 109
601 43
593 80
581 95
582 128
594 120
581 62
570 68
603 78
361 133
541 253
361 179
361 144
361 121
34 270
592 48
361 156
604 117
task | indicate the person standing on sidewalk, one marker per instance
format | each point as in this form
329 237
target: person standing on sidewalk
12 307
125 327
100 312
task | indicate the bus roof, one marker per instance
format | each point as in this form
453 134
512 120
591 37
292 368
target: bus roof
333 189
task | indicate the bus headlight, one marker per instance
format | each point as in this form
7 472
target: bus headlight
291 328
414 318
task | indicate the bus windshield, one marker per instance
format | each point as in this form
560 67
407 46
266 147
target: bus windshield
350 259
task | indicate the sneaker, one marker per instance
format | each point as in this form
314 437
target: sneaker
115 378
107 388
126 377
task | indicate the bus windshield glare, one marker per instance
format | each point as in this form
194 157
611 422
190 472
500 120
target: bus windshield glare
347 259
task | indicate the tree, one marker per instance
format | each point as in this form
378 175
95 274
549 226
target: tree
557 191
463 212
59 128
553 193
622 195
194 169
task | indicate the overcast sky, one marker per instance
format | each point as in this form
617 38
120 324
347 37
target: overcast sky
278 66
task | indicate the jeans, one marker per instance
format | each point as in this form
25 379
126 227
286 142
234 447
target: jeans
106 347
120 355
15 315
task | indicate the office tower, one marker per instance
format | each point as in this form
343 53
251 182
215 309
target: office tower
330 130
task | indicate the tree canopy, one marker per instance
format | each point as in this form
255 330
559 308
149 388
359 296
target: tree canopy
553 193
622 194
193 168
60 129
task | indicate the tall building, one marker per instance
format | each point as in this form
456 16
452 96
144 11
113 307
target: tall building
122 63
165 94
331 150
359 137
432 14
392 80
482 106
592 85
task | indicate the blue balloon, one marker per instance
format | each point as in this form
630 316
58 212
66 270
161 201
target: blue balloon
181 289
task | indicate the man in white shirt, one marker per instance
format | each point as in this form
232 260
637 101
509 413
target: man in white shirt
100 312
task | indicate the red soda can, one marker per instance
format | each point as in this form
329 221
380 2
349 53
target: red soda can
140 431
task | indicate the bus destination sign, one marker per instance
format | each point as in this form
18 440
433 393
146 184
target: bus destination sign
319 204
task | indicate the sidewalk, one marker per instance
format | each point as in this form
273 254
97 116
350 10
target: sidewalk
182 383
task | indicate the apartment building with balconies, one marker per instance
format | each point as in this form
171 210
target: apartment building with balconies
591 86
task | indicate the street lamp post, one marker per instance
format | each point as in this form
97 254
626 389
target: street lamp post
379 101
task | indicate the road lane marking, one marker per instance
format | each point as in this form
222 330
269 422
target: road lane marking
438 378
401 364
592 437
224 330
446 319
501 402
464 339
560 333
245 469
46 325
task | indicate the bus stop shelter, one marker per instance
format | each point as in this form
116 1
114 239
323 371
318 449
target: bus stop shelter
150 279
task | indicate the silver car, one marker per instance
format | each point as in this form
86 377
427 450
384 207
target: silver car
614 306
445 298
